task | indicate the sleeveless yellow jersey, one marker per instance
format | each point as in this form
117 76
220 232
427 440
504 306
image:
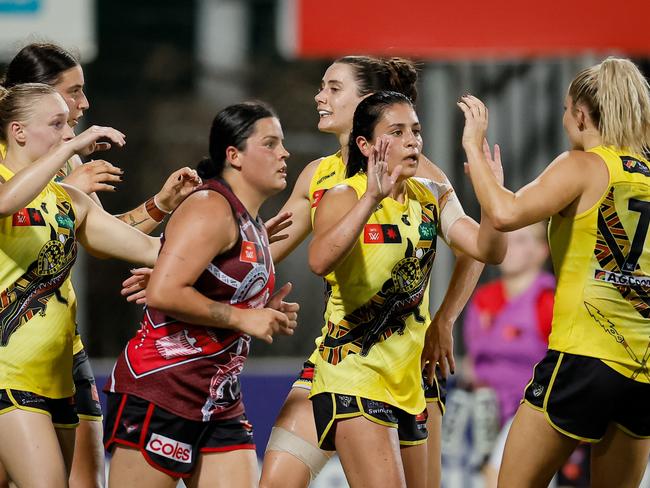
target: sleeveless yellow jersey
329 173
62 173
379 304
37 250
602 261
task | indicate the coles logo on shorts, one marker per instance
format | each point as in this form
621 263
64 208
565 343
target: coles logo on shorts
169 448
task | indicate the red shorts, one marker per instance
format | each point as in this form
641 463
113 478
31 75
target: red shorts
170 443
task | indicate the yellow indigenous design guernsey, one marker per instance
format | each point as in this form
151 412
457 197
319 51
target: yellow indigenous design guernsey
77 345
37 250
602 261
329 173
379 305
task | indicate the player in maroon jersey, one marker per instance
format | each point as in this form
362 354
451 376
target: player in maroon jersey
174 402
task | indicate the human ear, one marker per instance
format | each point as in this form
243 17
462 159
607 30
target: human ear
232 157
17 131
364 146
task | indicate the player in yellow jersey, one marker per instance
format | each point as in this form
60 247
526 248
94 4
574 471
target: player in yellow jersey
54 66
594 383
293 458
41 223
367 390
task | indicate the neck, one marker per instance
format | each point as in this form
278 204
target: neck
591 138
398 192
16 160
249 196
517 284
344 139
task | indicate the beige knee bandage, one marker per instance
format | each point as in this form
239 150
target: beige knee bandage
285 441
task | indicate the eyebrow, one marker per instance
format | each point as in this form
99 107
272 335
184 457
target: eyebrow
274 138
400 125
331 82
75 87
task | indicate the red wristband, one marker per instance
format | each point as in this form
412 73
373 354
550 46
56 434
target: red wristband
153 210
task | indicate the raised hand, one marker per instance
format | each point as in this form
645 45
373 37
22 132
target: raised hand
476 120
89 140
94 176
276 225
176 188
380 182
494 162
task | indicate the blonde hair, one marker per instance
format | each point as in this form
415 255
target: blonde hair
16 103
617 97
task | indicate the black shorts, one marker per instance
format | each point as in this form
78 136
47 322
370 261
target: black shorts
434 393
581 396
170 443
330 407
86 396
61 410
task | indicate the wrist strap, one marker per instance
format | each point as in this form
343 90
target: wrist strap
154 211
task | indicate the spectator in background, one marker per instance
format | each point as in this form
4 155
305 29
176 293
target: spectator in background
506 330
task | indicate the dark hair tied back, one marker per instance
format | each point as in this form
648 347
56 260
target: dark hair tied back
376 74
38 63
231 128
366 117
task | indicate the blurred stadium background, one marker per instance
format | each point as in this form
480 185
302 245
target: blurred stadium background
159 70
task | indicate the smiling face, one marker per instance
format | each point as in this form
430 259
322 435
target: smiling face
337 99
71 87
400 124
263 159
44 127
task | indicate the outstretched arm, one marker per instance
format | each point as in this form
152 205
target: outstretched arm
299 206
30 181
105 236
147 216
561 184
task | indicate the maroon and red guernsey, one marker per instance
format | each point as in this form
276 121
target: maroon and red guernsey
193 370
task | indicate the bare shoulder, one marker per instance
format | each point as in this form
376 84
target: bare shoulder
341 190
579 162
308 171
206 215
428 169
339 198
205 203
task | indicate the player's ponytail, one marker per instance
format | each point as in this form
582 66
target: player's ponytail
616 95
231 128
